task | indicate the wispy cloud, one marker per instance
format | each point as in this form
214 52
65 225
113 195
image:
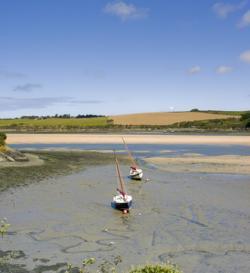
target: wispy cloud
86 101
95 74
11 104
245 56
5 74
194 70
222 10
245 20
125 11
223 69
28 87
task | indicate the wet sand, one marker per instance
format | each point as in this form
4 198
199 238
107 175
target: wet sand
199 221
199 163
130 139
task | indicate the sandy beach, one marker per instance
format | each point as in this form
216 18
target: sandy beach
231 164
131 139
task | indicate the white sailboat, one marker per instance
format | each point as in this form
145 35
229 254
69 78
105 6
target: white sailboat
122 201
135 171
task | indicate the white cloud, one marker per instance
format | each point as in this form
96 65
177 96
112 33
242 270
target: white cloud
125 11
245 20
245 56
194 70
223 69
222 10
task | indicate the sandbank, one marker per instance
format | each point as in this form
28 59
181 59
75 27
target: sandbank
233 164
131 139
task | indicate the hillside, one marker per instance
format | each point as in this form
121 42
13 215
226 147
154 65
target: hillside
166 118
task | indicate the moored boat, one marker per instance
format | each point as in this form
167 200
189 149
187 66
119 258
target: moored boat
135 171
122 201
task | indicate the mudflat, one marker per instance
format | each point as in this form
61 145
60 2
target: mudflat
198 221
192 209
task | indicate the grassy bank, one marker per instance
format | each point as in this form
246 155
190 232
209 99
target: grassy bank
221 112
216 124
55 163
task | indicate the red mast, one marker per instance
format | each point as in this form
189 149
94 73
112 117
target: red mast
122 190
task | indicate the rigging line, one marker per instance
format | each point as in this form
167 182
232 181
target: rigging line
130 154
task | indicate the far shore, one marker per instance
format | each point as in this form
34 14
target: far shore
130 139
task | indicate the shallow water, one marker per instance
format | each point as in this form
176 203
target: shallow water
199 221
148 150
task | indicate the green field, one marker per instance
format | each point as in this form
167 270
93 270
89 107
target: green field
53 123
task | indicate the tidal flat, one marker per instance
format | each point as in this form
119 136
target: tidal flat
47 164
199 221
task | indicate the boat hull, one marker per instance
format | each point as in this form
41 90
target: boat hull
121 206
122 202
135 174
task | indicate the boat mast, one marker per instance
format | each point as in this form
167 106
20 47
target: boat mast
122 190
130 155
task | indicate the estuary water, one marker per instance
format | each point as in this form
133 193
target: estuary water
147 149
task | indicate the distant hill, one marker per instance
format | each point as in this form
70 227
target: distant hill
167 118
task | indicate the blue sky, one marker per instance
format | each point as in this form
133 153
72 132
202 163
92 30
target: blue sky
114 57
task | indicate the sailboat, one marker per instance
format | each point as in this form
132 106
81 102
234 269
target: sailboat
135 172
122 201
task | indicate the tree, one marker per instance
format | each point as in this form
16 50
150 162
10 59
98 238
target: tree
245 116
247 125
2 138
194 110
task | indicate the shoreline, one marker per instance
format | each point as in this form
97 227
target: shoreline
130 139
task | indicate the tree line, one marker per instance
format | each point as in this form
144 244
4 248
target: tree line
64 116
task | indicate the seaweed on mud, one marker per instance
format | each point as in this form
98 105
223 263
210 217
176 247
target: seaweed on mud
13 254
46 268
6 257
56 163
13 268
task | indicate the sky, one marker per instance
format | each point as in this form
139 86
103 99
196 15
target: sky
114 57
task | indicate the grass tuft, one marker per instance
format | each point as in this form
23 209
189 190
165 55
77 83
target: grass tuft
157 268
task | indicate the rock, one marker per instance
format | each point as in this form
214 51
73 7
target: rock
14 155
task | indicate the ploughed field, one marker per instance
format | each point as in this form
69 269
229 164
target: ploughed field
166 118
